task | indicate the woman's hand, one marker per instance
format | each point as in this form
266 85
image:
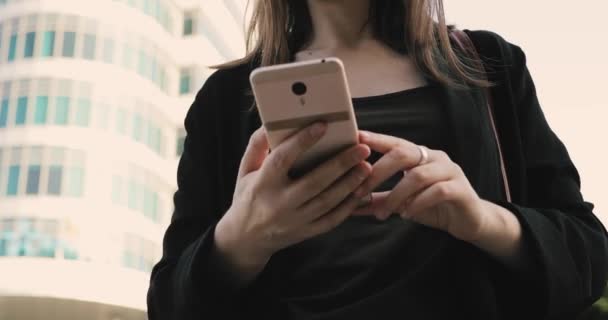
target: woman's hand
271 211
435 193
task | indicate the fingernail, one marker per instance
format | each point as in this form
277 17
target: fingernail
318 128
364 201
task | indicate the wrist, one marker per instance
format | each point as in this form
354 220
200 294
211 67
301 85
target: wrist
500 233
234 249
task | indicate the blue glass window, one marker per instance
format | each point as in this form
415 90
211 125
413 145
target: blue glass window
89 47
48 43
128 259
132 195
21 110
13 180
108 50
184 83
42 103
75 181
83 112
3 113
121 121
30 39
69 43
54 183
12 47
141 65
137 127
147 203
155 216
180 145
62 110
188 26
127 56
33 180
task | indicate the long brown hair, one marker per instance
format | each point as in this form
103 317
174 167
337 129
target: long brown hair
279 28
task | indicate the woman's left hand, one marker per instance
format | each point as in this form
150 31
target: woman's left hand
435 193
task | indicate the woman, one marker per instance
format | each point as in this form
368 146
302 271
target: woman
412 222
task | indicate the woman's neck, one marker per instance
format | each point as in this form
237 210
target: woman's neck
338 23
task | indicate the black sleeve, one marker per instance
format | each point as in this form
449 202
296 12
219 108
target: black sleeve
566 245
188 282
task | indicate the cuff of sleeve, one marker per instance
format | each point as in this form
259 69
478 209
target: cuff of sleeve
524 292
208 271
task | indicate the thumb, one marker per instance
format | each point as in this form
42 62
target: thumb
256 152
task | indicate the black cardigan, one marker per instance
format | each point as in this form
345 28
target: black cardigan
567 243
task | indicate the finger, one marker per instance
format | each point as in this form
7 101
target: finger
282 158
397 159
415 180
435 194
334 218
336 193
256 152
322 176
380 142
370 209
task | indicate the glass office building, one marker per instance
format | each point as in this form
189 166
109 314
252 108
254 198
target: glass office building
93 95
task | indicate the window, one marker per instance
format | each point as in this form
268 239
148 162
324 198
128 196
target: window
54 183
153 69
154 208
121 121
33 179
132 194
147 202
137 127
31 237
188 26
3 113
48 43
180 145
89 47
184 81
127 56
30 39
13 180
154 137
12 47
147 7
141 65
42 103
75 181
21 111
69 44
82 112
108 50
62 110
163 79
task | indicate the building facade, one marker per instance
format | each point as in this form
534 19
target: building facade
93 96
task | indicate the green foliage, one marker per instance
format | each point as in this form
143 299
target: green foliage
599 310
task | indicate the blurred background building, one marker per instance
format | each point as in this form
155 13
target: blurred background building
93 95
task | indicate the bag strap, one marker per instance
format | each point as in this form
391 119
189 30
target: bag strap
463 40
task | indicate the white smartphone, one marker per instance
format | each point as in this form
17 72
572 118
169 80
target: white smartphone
293 95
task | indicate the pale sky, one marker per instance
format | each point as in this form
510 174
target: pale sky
567 51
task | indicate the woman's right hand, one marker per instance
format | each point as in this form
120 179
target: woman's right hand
271 211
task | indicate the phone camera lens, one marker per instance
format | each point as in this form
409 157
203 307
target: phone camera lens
298 88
